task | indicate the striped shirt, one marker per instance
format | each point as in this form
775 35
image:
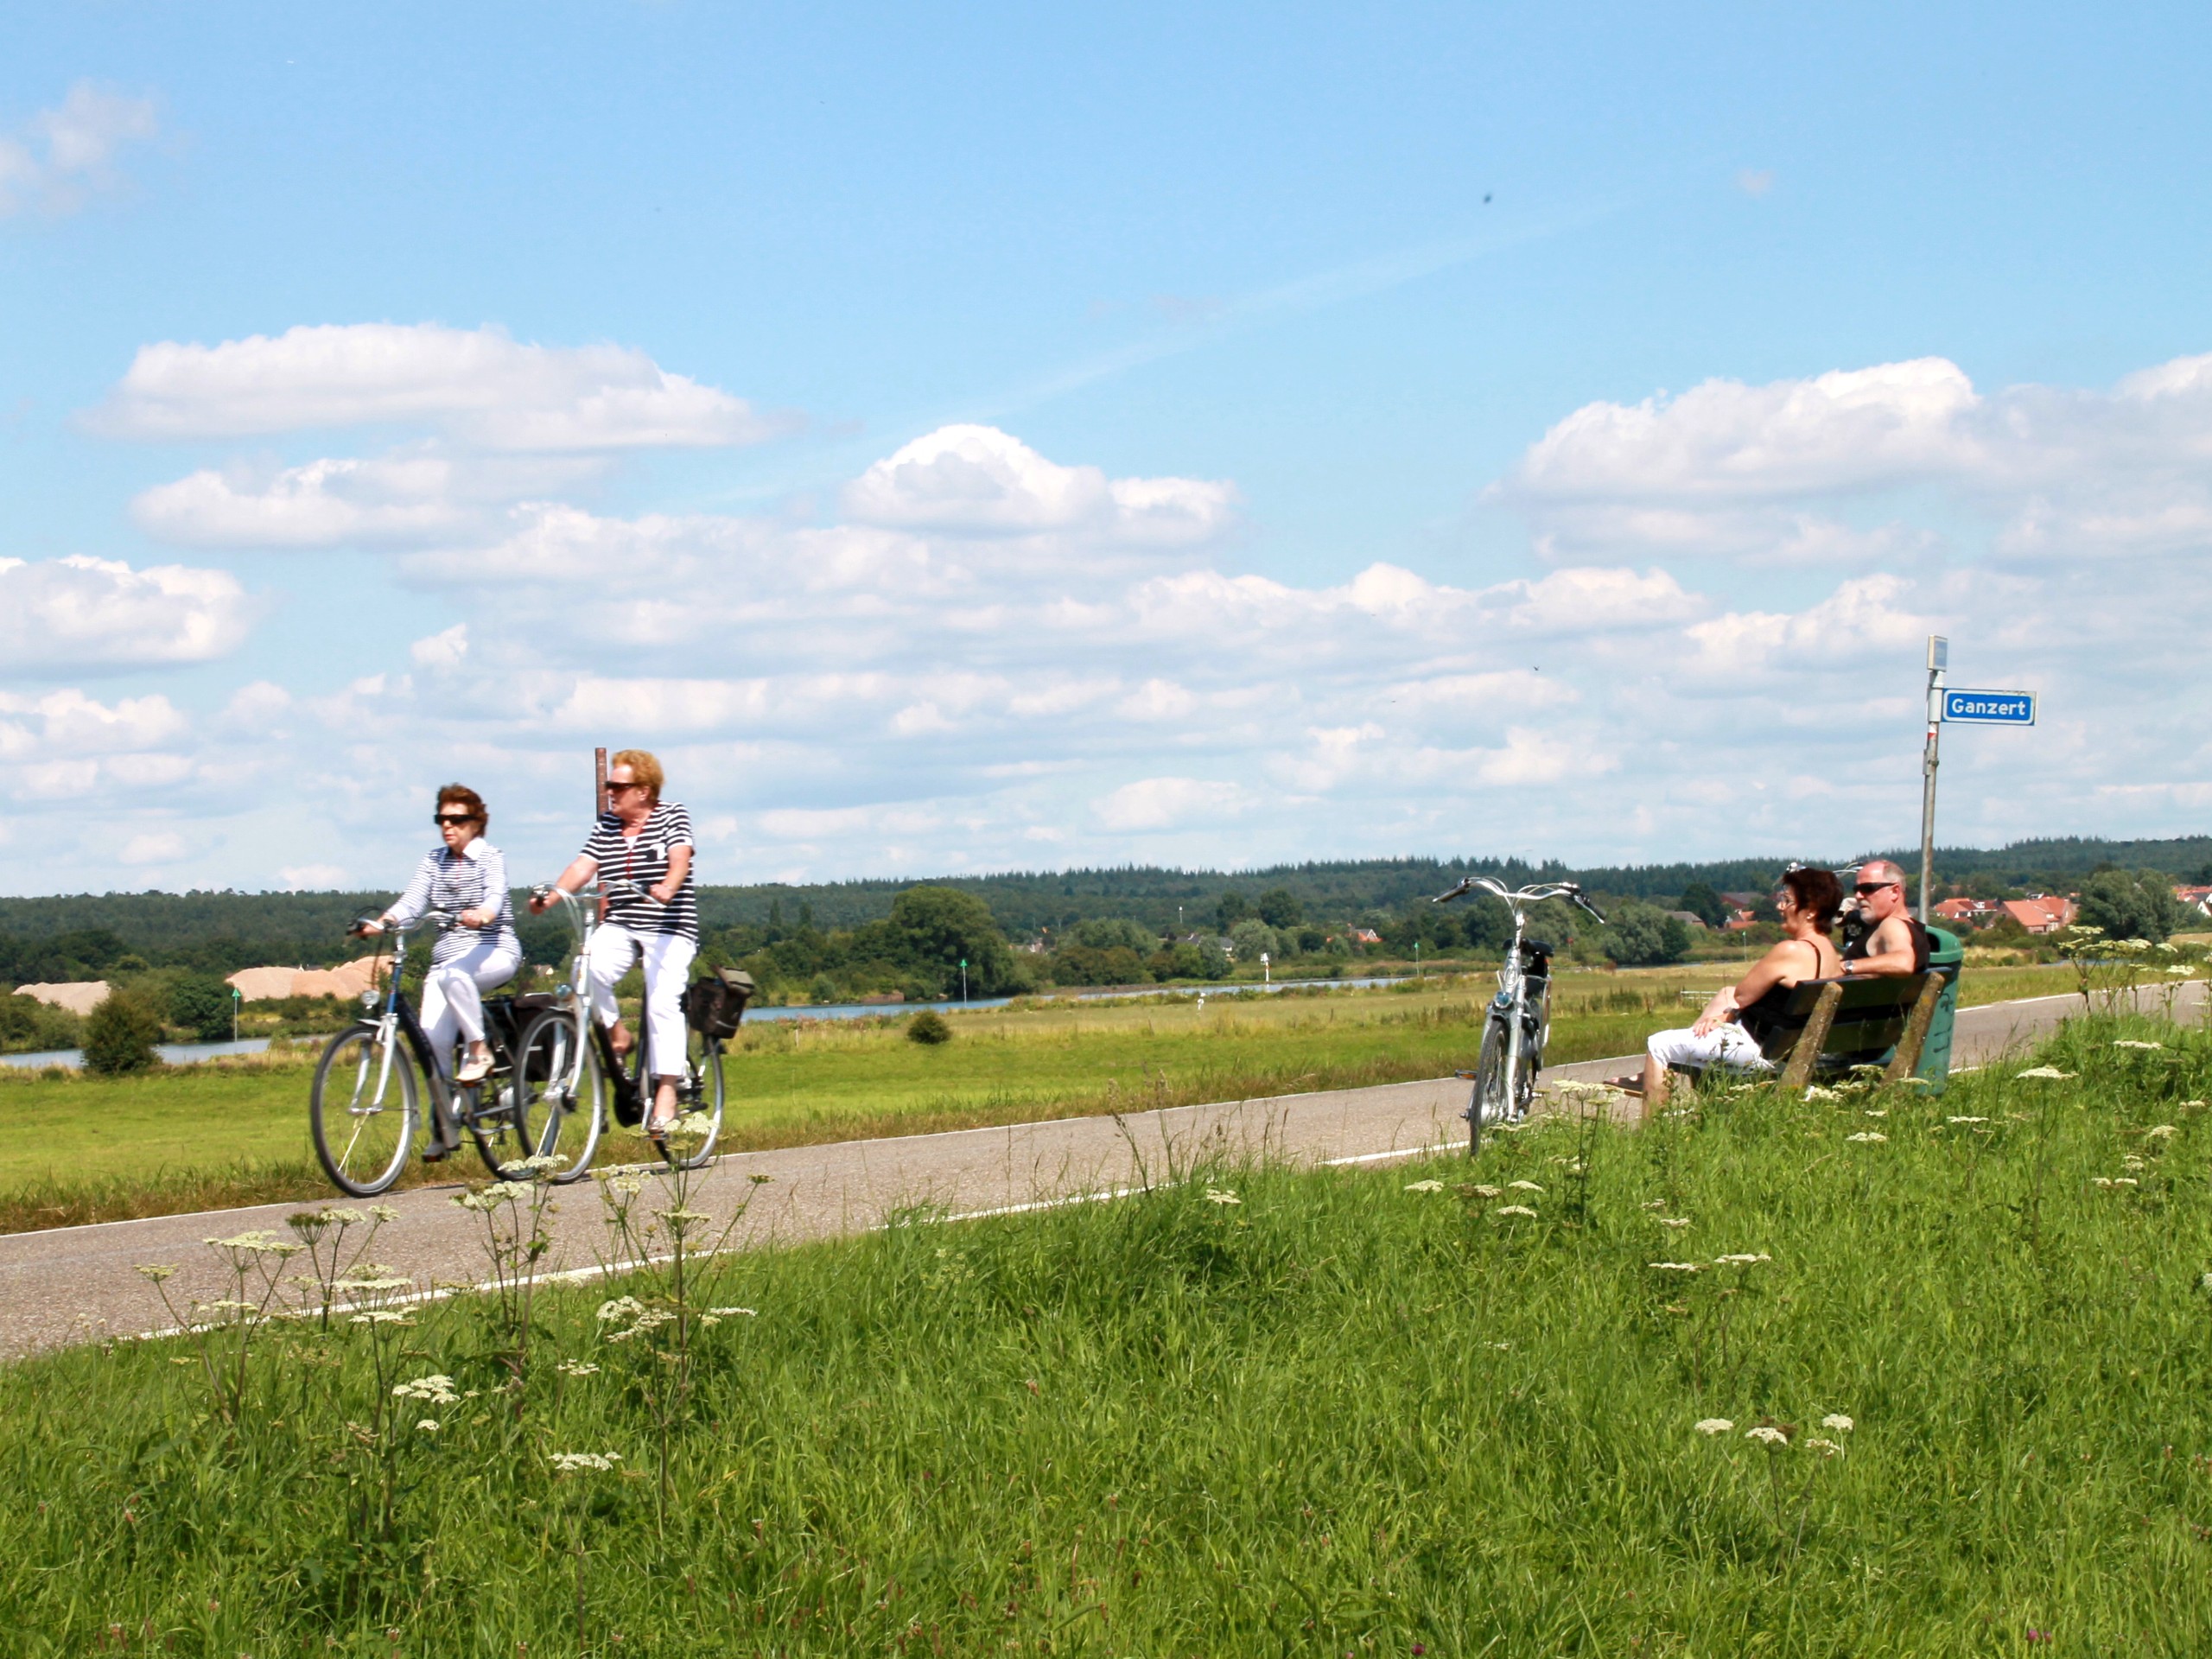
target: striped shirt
643 859
473 878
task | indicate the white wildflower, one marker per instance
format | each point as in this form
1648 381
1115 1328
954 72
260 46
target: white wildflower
1871 1137
2160 1132
435 1389
2112 1181
1482 1191
1741 1260
157 1271
1825 1448
2050 1073
576 1463
1424 1186
1839 1422
259 1242
1672 1221
427 1425
1966 1120
733 1312
1766 1436
1875 1111
577 1368
622 1307
1713 1425
1523 1187
1515 1209
1222 1195
1817 1093
384 1213
383 1316
2129 1042
1674 1267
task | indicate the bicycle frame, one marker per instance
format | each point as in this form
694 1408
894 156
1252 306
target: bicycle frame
399 1015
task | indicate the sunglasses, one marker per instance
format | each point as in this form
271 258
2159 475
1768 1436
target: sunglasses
616 789
442 819
1865 888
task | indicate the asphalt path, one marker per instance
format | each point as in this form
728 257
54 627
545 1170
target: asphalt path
75 1284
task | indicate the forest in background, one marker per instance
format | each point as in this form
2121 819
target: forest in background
826 934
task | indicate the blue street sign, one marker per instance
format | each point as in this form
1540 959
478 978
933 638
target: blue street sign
1990 708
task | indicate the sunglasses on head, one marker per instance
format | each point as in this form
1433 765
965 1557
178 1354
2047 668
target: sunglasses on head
442 819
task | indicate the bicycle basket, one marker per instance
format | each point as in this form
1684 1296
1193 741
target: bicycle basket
714 1005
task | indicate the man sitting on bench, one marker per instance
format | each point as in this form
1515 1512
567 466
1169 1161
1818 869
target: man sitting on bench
1897 944
1727 1033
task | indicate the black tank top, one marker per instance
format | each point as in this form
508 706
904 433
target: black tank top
1856 951
1761 1016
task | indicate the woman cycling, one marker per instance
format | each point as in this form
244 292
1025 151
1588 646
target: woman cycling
641 848
468 875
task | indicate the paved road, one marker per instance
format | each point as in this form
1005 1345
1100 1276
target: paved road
70 1284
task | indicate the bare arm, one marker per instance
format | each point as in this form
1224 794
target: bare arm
1781 963
574 876
1888 952
679 866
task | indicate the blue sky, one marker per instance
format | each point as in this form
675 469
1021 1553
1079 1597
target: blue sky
1009 438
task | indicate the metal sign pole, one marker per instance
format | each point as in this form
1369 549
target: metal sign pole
599 783
1939 657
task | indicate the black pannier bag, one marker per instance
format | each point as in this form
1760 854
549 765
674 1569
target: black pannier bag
506 1016
714 1005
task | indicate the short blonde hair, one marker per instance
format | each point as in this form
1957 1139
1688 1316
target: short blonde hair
645 768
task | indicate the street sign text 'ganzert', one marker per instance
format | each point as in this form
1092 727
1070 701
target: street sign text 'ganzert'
1990 708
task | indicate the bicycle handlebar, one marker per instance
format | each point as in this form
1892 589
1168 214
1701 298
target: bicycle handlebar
1517 897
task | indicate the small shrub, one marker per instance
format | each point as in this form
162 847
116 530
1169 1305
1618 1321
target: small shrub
120 1035
928 1026
202 1004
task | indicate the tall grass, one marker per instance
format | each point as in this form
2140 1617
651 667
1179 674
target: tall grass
1251 1410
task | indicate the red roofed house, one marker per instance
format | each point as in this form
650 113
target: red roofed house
1969 912
2042 914
2197 899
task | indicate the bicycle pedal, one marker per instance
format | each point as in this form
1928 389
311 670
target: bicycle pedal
1465 1077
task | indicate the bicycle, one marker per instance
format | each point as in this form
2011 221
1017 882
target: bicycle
1519 1020
383 1068
581 1073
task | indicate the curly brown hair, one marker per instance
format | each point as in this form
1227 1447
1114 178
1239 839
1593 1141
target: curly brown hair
1817 892
462 795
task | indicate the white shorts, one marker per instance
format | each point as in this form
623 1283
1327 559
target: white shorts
1728 1046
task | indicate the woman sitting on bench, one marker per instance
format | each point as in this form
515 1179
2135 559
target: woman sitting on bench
1727 1033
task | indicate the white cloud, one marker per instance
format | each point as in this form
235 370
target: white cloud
309 878
1714 646
479 385
978 480
1169 804
1726 441
161 846
447 650
409 498
61 157
76 614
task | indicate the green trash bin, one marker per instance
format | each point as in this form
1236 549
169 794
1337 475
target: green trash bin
1945 956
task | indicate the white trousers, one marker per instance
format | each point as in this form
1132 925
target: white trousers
1728 1046
452 999
668 966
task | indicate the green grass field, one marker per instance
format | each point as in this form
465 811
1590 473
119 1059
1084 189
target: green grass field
81 1148
1427 1409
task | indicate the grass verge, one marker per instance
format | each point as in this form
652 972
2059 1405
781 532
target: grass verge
1858 1374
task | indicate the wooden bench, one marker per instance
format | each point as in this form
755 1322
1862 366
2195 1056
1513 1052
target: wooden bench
1831 1025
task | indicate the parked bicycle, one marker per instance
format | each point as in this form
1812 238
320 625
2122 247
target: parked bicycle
573 1077
1519 1021
377 1082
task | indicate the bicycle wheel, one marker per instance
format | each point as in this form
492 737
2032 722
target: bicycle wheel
492 1113
1489 1103
560 1095
361 1109
700 1094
